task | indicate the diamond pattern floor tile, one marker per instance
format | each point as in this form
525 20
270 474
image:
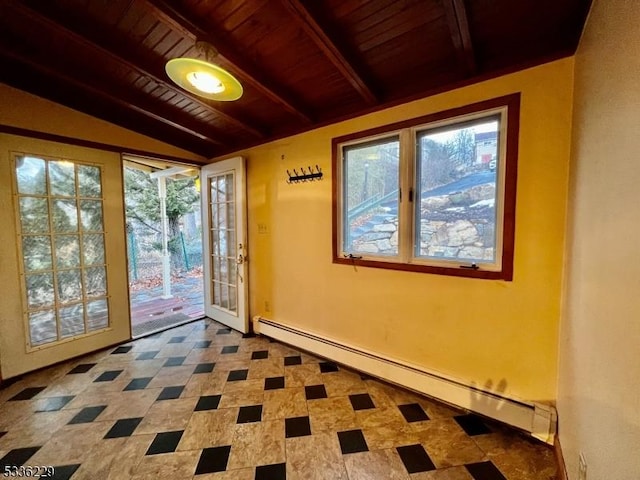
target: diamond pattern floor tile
181 401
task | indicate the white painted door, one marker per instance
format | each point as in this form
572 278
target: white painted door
224 220
63 265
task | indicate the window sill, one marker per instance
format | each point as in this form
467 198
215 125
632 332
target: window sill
505 274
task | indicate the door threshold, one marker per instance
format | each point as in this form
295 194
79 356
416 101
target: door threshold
168 327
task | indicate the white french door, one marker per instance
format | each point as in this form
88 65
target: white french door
63 264
224 245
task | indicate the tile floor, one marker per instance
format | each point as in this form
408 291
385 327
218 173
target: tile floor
203 402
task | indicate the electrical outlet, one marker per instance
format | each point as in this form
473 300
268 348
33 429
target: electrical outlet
263 228
582 467
267 306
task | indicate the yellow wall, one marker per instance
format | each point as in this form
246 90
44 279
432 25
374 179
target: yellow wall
23 110
599 379
479 331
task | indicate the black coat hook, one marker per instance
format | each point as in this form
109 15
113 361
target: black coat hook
305 175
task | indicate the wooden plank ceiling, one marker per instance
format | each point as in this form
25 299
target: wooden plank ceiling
302 63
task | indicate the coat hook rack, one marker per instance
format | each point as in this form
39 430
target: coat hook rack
309 174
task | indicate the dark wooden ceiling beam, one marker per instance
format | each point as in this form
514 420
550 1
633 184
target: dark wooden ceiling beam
317 34
187 23
96 91
138 65
456 13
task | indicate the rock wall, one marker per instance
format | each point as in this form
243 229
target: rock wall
458 225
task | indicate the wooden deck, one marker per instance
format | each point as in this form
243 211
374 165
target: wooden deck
151 312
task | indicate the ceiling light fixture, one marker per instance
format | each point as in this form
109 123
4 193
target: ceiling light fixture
203 78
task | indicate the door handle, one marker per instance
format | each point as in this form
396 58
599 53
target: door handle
241 258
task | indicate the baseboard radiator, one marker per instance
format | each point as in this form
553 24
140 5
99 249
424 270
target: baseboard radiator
536 418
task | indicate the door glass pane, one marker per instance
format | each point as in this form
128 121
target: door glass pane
222 215
34 215
40 290
215 268
37 253
97 315
233 301
215 245
224 271
214 215
233 268
71 320
223 247
93 249
229 187
231 215
89 184
231 240
67 251
216 293
91 215
95 281
224 296
221 190
42 327
69 287
213 191
62 179
65 216
31 176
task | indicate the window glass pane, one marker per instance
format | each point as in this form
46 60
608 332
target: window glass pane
62 178
37 253
69 287
91 215
40 290
42 327
65 216
97 315
71 320
31 176
60 294
34 215
371 198
95 281
67 251
89 184
456 192
93 249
